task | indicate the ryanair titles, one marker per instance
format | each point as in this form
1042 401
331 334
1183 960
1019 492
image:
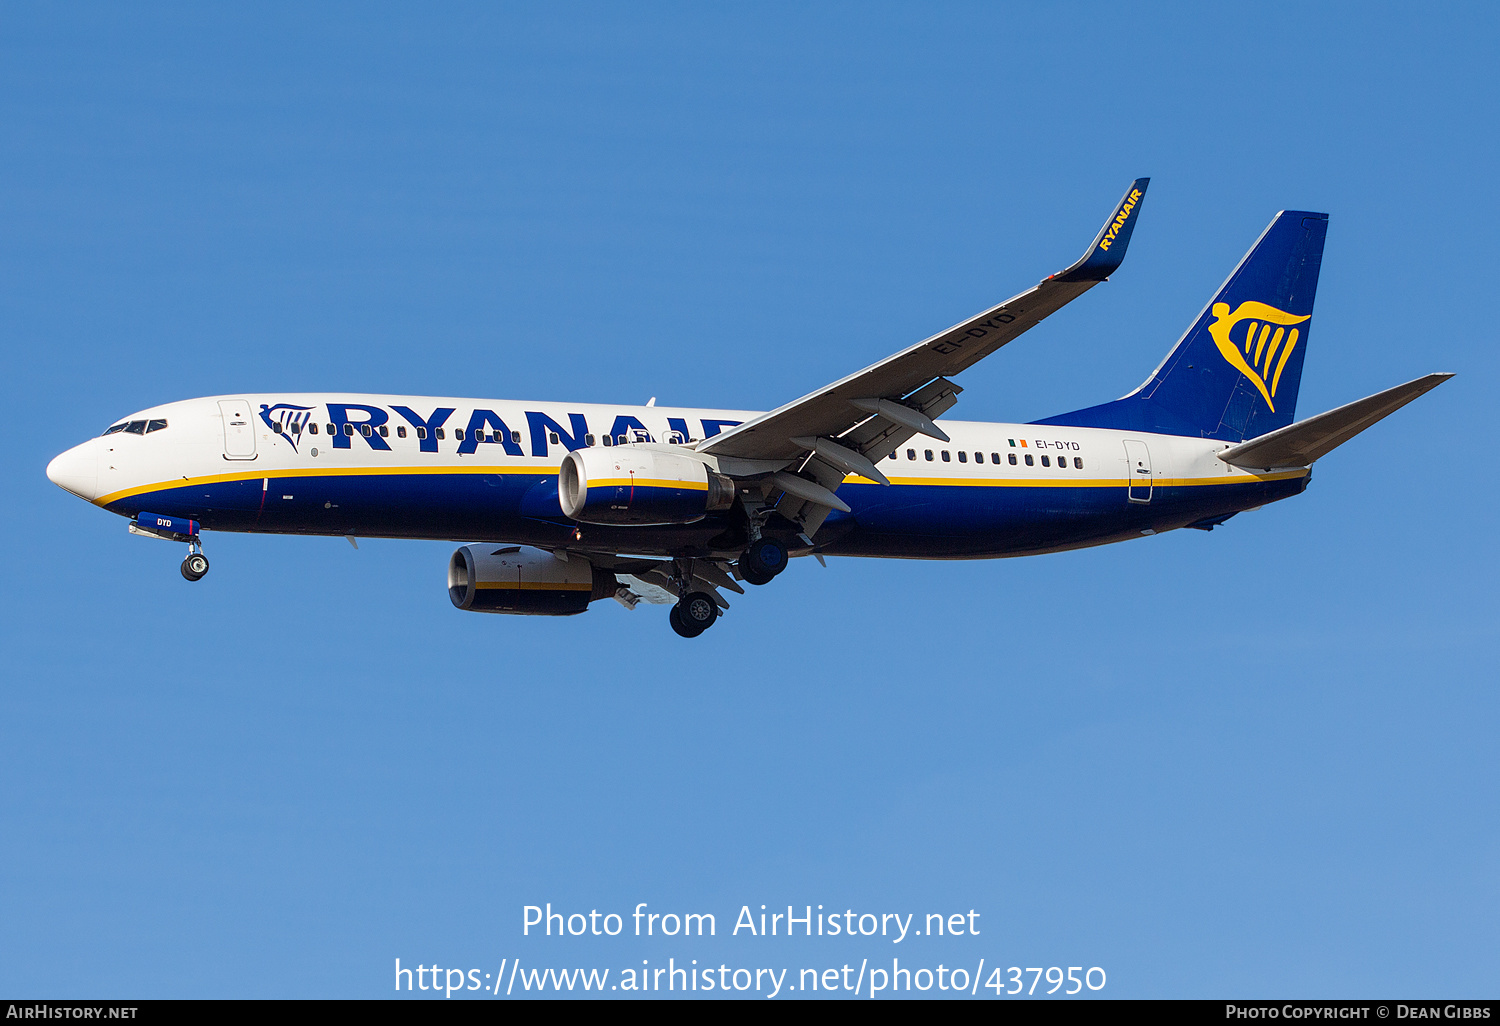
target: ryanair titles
341 423
1120 219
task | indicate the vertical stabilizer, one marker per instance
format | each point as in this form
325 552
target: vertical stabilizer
1236 372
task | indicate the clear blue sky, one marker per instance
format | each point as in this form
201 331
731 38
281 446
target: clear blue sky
1256 762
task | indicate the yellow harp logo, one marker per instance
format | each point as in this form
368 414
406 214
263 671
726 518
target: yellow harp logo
1266 346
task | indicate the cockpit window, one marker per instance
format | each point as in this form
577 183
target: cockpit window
136 427
155 425
115 428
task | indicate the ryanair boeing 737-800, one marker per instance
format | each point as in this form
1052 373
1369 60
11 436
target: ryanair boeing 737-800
563 504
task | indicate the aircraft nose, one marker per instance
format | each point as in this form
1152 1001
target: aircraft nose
77 470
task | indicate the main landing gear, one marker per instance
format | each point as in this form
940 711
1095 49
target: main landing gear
196 563
697 610
763 560
693 614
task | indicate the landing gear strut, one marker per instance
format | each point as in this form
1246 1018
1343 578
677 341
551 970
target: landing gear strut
763 560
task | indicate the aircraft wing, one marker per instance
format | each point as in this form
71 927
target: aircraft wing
908 378
848 426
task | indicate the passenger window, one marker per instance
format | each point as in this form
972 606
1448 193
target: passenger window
552 437
619 439
136 427
963 457
312 429
1077 462
385 432
458 434
1046 462
365 430
608 440
911 454
1029 461
155 425
296 427
400 431
421 433
444 434
114 429
928 454
994 457
588 439
515 437
1013 459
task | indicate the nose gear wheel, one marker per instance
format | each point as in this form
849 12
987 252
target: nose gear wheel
195 566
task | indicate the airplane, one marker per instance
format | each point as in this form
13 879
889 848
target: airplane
560 505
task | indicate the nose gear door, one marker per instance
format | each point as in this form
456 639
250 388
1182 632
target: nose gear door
1138 467
239 430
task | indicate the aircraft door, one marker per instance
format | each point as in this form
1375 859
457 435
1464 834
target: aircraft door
1138 467
239 429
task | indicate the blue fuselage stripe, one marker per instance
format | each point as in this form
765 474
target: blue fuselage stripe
903 520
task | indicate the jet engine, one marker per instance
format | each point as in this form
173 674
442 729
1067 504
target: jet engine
519 579
629 486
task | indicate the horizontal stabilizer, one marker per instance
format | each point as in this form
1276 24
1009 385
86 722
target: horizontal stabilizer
1299 444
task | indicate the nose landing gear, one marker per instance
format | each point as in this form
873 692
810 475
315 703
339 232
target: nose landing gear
196 563
175 529
195 566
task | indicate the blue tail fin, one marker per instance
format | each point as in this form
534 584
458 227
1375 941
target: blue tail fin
1236 372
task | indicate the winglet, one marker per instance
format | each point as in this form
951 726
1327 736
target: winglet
1107 252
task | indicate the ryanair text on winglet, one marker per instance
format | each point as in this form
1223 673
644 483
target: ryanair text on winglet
1120 218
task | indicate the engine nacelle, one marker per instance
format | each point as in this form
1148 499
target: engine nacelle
522 580
626 485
